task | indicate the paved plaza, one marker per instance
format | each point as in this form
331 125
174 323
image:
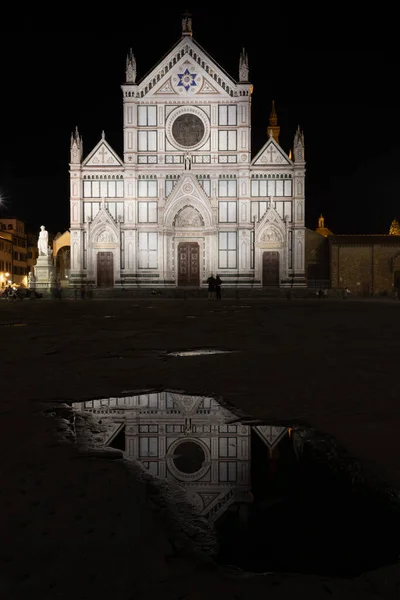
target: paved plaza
76 526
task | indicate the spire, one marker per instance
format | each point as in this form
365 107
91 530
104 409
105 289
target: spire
321 222
273 127
187 23
103 135
130 72
394 228
298 146
243 66
76 146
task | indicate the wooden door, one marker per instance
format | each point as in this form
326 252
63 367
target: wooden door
271 269
105 269
189 264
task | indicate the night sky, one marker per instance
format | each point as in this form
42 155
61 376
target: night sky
345 103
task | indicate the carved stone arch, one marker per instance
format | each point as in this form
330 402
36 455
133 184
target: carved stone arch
104 235
188 216
271 227
174 208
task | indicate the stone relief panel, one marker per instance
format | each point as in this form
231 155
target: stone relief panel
105 237
271 235
188 217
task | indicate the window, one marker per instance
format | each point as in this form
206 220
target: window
150 400
148 250
227 188
148 446
227 212
227 115
169 185
228 447
227 140
90 210
227 250
271 187
227 471
147 116
147 212
147 188
147 141
103 189
116 210
206 185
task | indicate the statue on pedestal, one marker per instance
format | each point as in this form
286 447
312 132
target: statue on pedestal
43 241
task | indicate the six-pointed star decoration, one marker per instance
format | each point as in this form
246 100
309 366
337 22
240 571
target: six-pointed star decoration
187 79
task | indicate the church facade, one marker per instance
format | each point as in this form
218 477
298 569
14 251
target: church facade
188 198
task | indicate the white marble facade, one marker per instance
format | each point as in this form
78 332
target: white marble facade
187 199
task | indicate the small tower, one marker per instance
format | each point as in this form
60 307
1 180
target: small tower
243 66
187 23
298 146
394 228
76 147
130 72
321 229
273 127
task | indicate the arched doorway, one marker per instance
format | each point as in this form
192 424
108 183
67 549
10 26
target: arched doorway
270 269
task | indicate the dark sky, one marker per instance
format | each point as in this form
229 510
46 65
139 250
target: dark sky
345 102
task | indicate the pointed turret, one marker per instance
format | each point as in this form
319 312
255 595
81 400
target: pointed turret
243 66
273 127
187 23
298 146
130 72
76 146
394 228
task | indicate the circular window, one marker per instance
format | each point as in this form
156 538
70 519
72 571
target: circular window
188 130
188 457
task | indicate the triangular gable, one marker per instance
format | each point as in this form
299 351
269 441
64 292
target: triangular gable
103 221
270 435
271 215
185 71
102 155
271 154
188 185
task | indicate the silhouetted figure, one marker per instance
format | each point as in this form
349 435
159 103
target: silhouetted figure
211 286
83 291
218 283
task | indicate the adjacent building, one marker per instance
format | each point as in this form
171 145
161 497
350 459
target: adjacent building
189 197
13 230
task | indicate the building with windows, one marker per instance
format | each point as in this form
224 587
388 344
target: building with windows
13 230
189 197
6 257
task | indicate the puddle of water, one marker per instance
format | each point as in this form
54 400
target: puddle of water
199 352
275 502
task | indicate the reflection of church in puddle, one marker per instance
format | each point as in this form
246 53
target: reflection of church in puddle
191 440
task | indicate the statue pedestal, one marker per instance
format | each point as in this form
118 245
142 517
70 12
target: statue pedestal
45 273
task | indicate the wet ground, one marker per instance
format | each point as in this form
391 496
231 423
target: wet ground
330 366
270 501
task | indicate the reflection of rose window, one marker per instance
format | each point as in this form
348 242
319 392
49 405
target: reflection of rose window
188 457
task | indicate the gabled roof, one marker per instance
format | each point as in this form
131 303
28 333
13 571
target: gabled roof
271 154
102 155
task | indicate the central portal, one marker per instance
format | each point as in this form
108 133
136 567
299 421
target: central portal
189 264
